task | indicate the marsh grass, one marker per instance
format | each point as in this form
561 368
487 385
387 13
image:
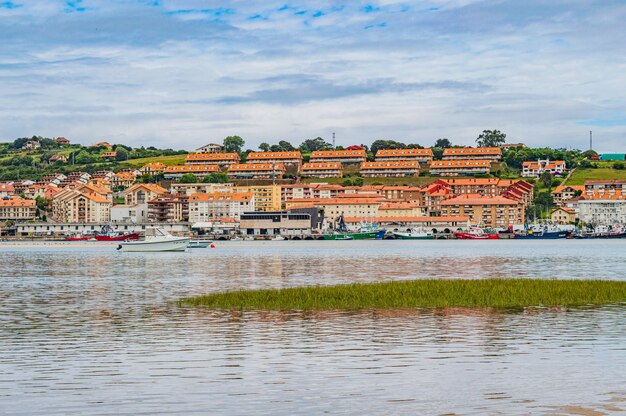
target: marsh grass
484 293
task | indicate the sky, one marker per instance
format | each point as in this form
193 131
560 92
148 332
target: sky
183 73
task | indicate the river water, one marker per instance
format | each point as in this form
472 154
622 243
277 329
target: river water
85 329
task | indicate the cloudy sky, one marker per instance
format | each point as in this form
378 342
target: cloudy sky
180 73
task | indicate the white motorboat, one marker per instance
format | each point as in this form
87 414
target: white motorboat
157 239
278 238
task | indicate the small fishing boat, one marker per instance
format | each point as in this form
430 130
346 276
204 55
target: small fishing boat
476 233
278 238
543 232
199 243
107 234
414 234
157 240
364 232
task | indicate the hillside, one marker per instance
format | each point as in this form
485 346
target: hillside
603 171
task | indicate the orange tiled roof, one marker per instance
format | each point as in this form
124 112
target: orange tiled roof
400 164
256 167
561 188
398 206
476 199
552 165
470 163
125 176
404 152
472 151
274 155
322 165
222 196
318 154
605 195
213 157
17 202
155 166
191 168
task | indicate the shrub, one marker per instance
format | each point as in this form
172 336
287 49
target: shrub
619 165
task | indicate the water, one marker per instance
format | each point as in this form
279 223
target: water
85 329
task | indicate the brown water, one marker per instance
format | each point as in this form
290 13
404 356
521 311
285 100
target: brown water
88 330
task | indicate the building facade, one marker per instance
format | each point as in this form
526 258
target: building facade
535 169
322 170
219 205
489 211
491 154
17 209
220 159
275 223
341 156
465 167
256 171
422 156
390 168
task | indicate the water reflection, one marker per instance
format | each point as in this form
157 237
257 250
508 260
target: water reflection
91 330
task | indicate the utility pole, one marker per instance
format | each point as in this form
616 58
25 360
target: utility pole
590 140
333 140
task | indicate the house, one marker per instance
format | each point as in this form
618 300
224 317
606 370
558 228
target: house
109 155
564 193
322 170
612 185
102 144
563 215
220 159
122 179
219 205
57 158
72 205
6 190
129 214
210 148
494 211
17 209
41 191
62 141
341 156
103 174
152 168
513 189
286 158
491 154
96 190
422 156
390 168
535 169
141 193
256 171
31 145
169 208
200 171
460 167
355 205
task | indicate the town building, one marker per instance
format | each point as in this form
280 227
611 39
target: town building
563 215
72 205
31 145
422 156
17 209
610 185
400 209
606 207
62 141
168 208
321 170
341 156
390 168
519 190
210 148
220 159
266 197
6 190
200 171
40 191
491 154
219 205
275 223
564 193
459 167
57 158
122 180
109 155
495 211
535 169
141 193
436 224
129 214
62 229
199 188
92 189
256 171
348 205
152 168
286 158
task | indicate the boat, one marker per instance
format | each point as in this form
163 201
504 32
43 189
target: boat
236 239
199 243
156 240
364 232
107 234
345 238
602 231
78 237
476 233
414 234
543 232
278 238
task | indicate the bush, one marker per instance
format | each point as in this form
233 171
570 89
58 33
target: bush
585 164
619 165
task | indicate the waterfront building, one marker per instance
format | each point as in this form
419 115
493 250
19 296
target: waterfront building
219 205
564 193
74 205
286 158
152 168
275 223
322 170
563 215
210 148
390 168
168 208
422 156
65 228
341 156
348 205
200 171
129 214
220 159
141 193
460 167
535 169
513 189
266 197
256 171
17 209
400 209
494 211
491 154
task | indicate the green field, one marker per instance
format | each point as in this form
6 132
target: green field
166 160
579 176
487 293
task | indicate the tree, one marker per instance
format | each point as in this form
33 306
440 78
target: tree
275 148
590 154
264 147
220 177
188 178
546 178
386 144
286 146
315 144
121 154
443 143
491 138
233 144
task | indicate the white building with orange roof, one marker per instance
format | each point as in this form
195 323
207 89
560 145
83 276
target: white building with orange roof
122 179
422 156
141 193
286 158
210 148
535 169
321 170
93 189
256 171
17 209
72 205
341 156
602 206
563 193
42 191
152 168
219 205
390 168
494 211
464 167
6 190
200 171
491 154
220 159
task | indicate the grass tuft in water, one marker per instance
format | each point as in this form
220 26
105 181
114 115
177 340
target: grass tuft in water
486 293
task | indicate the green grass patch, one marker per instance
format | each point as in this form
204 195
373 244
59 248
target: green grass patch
580 175
486 293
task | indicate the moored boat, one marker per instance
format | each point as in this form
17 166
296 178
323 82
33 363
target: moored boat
78 237
199 243
414 234
543 232
364 232
476 233
156 240
107 234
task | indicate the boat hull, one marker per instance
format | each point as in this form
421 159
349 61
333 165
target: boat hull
410 236
551 235
77 238
368 235
126 237
470 236
174 244
199 244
